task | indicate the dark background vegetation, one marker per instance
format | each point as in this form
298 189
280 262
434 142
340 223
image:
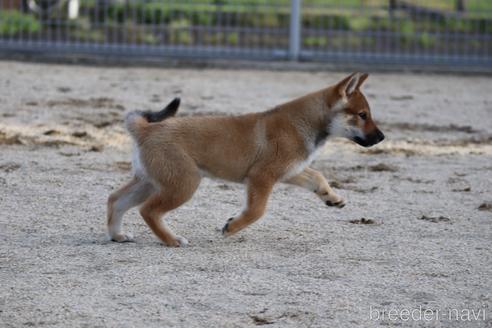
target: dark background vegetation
447 27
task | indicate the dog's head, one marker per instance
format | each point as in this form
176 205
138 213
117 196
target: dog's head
351 116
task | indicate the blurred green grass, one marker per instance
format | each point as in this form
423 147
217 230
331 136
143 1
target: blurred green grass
13 22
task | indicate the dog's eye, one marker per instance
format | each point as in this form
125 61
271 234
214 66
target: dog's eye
363 115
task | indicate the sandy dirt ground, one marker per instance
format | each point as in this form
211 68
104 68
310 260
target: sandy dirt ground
416 234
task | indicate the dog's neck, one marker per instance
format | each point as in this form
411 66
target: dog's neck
312 115
324 108
321 137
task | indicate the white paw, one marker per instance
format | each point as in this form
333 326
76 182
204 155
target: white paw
183 242
122 238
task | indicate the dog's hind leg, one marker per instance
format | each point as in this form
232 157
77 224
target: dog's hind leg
178 182
313 180
132 194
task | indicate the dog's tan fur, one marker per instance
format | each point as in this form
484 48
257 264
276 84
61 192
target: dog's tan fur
258 149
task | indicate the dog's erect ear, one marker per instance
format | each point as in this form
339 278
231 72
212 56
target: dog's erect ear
351 83
362 78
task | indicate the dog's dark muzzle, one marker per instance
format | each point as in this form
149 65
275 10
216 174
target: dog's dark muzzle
370 139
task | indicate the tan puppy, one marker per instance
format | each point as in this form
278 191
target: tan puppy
172 154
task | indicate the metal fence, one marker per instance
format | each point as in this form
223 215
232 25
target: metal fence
436 32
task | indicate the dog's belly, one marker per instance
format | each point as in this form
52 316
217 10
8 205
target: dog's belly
224 173
222 159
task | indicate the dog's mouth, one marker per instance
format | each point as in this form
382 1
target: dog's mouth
370 140
362 142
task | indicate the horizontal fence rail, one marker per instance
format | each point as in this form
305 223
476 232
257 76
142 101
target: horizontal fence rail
412 32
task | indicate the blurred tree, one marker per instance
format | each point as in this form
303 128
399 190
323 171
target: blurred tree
460 5
13 4
45 7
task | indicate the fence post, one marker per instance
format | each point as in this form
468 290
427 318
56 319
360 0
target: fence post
295 29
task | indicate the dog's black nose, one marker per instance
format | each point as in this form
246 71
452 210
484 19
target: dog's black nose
380 135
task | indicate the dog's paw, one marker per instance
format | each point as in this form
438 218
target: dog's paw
330 198
178 242
225 228
338 203
122 238
183 242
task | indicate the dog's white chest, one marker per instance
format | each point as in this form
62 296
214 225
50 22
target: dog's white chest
296 168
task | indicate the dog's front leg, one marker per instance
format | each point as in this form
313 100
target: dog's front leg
259 189
313 180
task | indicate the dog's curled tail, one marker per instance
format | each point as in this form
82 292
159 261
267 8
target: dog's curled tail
138 119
